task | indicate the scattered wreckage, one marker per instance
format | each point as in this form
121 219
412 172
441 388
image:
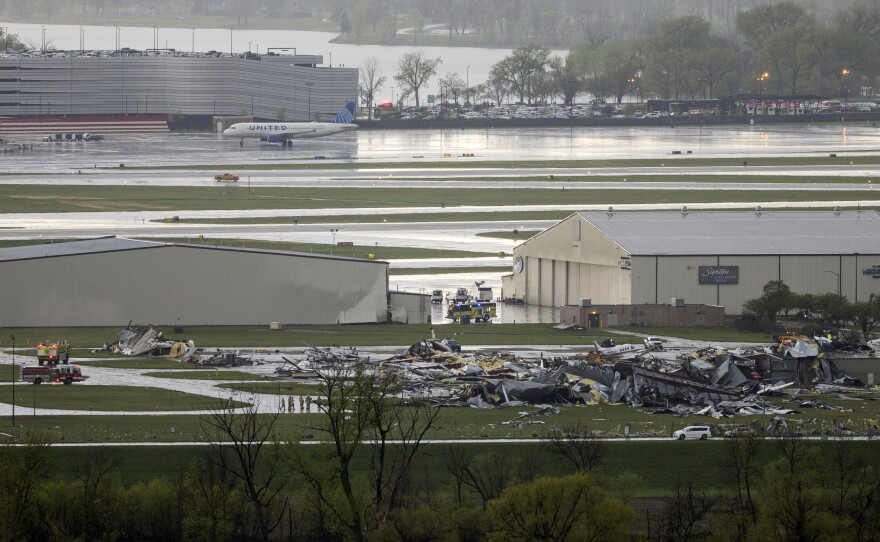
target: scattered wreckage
713 381
143 341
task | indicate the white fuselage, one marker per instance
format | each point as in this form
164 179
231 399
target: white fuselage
286 130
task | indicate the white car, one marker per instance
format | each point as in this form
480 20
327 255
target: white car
701 432
653 343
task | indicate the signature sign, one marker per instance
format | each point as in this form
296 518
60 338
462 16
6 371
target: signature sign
719 274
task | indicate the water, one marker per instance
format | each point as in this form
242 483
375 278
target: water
471 63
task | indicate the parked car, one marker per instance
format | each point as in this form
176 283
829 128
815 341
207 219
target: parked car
741 432
226 177
701 432
653 343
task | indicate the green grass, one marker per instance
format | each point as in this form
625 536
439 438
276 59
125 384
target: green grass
299 335
354 251
206 375
516 235
445 270
10 374
101 398
506 214
137 363
702 333
275 388
32 198
679 161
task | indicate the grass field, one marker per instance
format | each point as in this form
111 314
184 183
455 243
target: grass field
70 198
102 398
138 363
276 388
505 214
11 373
353 251
299 335
678 161
206 375
516 235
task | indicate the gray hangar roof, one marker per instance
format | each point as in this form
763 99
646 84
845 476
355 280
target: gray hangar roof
740 233
116 244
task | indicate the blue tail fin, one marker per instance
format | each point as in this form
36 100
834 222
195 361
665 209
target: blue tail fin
346 116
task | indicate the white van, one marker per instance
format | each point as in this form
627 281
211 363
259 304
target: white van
437 296
701 432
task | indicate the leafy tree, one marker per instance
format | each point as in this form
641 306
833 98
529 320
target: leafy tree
566 77
671 68
344 24
498 85
414 72
557 509
453 86
520 68
23 468
866 314
776 297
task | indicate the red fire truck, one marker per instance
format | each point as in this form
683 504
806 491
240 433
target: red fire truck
65 374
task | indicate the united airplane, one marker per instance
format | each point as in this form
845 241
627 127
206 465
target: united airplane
284 132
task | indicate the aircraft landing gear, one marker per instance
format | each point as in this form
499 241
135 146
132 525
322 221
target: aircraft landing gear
290 143
241 142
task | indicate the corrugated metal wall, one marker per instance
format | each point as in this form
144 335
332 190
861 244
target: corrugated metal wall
191 285
269 88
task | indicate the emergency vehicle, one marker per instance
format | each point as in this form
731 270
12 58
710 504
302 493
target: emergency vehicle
65 374
467 312
53 353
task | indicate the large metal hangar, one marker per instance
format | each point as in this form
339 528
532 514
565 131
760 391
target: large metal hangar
710 258
111 281
270 87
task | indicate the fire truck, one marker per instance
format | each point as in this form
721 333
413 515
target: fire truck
53 353
64 374
467 312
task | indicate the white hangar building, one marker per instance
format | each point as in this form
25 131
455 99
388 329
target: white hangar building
110 281
711 258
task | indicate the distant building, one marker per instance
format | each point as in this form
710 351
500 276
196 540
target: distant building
172 83
110 281
709 258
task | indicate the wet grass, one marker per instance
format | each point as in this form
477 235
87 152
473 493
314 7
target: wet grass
403 271
351 251
702 333
281 387
488 216
137 363
206 375
681 161
10 373
300 335
516 235
104 398
163 199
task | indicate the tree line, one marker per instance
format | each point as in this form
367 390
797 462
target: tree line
251 483
777 49
829 310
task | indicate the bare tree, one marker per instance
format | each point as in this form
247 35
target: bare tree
362 407
743 470
579 445
244 445
685 513
371 81
488 474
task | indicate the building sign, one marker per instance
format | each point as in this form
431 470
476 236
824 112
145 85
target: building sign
719 274
430 98
623 263
873 272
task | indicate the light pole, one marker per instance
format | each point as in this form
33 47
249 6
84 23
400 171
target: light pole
309 86
467 86
12 338
333 231
836 274
843 73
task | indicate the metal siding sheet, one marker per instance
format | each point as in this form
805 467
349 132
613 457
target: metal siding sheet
679 278
185 285
754 273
